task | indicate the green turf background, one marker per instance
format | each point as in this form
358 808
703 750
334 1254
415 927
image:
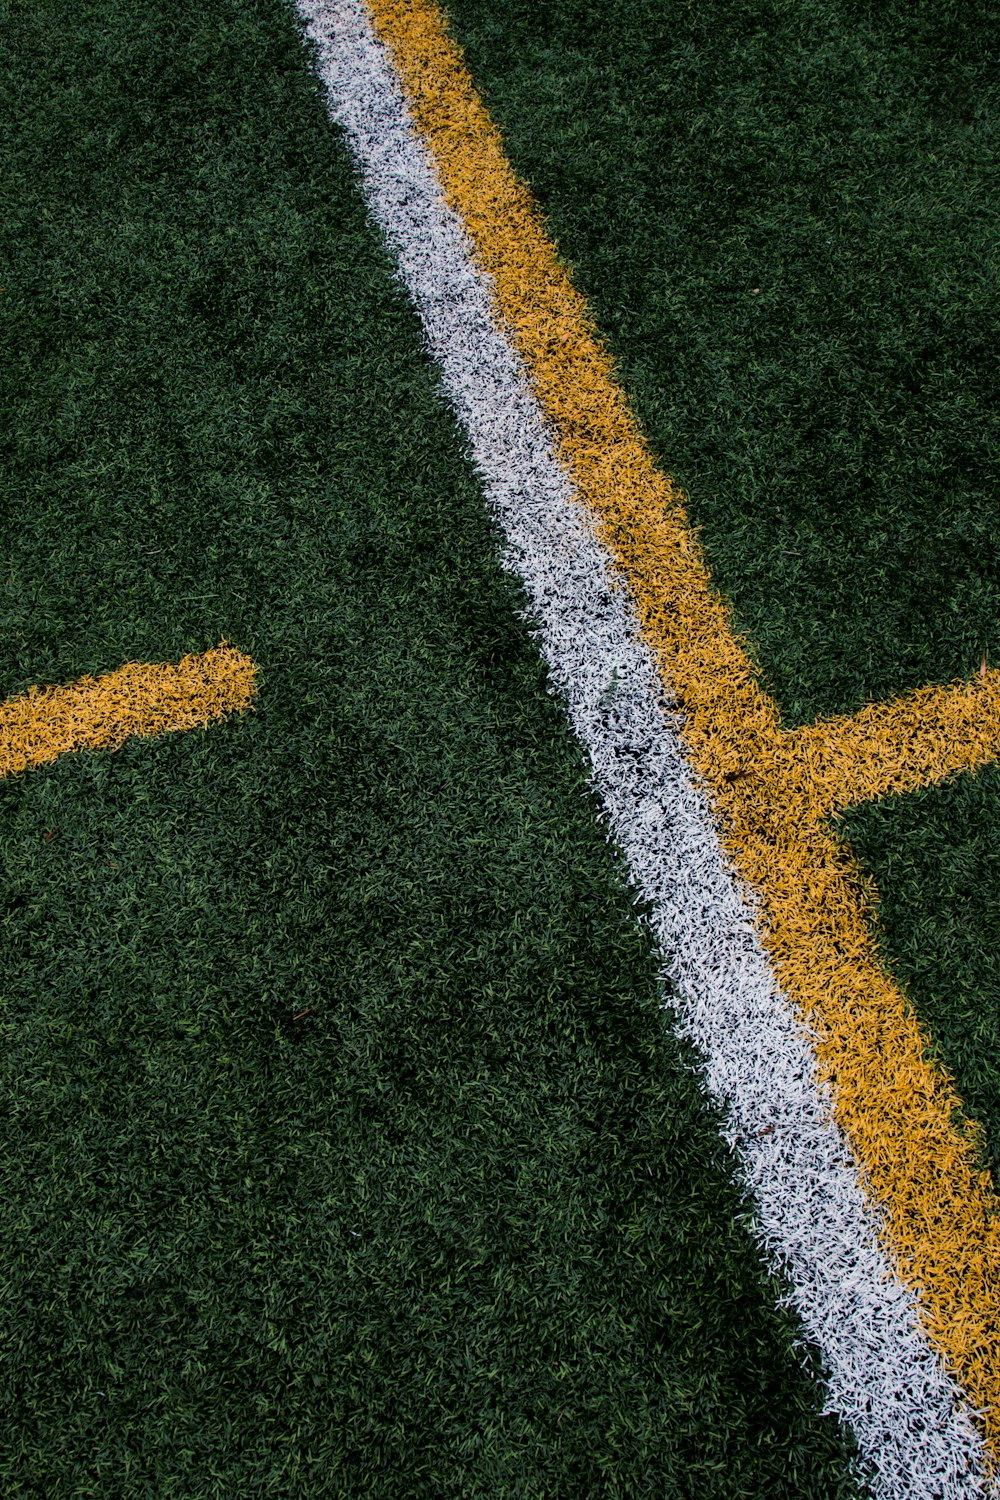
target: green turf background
936 861
464 1227
785 217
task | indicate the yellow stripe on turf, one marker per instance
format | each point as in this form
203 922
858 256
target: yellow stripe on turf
101 713
890 748
774 788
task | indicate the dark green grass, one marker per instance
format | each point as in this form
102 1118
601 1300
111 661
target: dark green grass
786 218
345 1149
940 910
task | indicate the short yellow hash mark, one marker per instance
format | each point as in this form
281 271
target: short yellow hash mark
140 698
774 789
890 748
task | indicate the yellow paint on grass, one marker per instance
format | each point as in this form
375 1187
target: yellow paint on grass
775 789
890 748
140 698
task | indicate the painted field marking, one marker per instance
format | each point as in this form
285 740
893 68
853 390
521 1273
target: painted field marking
548 425
137 699
898 1108
887 749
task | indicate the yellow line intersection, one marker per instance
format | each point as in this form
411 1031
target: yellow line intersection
774 789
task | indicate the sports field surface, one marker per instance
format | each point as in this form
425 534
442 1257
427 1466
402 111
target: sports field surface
500 749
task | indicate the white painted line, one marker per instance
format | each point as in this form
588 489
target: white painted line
885 1381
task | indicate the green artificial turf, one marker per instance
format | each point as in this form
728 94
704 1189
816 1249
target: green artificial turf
940 916
785 217
346 1150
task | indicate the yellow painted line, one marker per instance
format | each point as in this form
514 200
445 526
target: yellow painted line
774 788
140 698
890 748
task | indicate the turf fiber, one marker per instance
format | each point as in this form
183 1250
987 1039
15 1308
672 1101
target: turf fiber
939 905
346 1149
784 216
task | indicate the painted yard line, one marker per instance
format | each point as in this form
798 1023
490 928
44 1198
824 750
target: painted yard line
898 1107
812 1217
101 713
889 748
